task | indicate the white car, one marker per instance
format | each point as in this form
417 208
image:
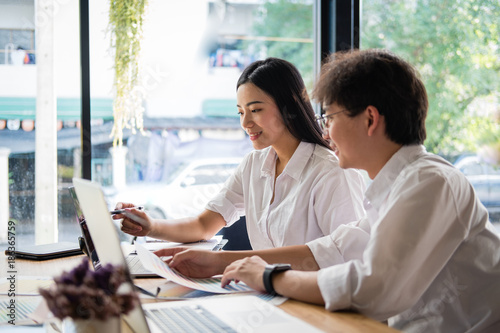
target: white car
185 193
484 177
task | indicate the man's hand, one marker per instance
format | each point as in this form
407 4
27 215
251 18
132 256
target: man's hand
194 263
249 270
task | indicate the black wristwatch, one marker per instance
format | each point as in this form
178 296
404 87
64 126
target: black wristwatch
268 275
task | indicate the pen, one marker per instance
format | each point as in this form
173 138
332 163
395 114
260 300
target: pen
146 292
119 211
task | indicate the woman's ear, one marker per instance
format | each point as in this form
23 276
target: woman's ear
374 119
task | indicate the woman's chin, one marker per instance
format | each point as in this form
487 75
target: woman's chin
258 146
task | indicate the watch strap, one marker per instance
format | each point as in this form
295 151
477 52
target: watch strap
268 275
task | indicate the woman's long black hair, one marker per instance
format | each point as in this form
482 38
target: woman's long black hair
282 81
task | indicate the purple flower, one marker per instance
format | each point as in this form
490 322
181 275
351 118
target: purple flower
83 293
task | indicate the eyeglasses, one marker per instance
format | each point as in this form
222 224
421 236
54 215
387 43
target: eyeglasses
324 119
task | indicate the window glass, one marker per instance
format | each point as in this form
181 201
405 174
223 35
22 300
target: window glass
12 40
20 89
492 170
494 191
472 169
192 54
210 174
454 45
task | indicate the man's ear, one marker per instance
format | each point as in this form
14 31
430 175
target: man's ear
374 119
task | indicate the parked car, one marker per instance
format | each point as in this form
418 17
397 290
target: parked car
484 177
185 193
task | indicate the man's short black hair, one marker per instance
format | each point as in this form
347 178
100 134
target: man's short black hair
359 78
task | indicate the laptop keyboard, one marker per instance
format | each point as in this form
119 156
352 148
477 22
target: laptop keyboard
187 319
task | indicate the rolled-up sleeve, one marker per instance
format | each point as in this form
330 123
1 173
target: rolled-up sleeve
334 285
225 207
229 202
346 243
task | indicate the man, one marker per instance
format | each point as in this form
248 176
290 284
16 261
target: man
425 258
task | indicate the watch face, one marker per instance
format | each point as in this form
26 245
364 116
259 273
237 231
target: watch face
282 267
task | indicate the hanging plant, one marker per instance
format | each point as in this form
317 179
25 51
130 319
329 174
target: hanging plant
126 19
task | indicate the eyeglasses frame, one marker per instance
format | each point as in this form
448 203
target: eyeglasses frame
324 118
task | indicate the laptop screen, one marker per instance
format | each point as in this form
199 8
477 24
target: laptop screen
91 252
105 238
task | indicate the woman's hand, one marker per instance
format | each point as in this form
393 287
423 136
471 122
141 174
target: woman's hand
134 221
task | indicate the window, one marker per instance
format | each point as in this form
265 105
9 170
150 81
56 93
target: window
189 83
454 45
20 144
210 174
193 54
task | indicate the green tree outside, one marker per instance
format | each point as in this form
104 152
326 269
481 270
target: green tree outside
454 44
288 25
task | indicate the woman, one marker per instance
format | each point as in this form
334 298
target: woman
284 187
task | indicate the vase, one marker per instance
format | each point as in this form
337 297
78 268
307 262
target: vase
110 325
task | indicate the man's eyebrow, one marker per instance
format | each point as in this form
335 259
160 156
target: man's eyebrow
250 103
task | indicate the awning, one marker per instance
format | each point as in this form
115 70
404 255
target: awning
67 108
101 108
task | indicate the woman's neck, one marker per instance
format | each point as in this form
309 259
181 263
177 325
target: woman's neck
284 154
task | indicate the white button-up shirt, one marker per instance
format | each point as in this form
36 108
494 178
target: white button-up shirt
312 196
426 257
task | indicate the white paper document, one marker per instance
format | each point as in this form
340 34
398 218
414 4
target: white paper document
204 245
153 263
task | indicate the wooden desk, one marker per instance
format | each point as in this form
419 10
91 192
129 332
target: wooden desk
313 314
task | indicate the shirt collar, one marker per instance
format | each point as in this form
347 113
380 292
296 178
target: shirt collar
379 189
295 166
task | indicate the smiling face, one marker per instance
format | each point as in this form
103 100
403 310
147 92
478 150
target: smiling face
261 118
344 134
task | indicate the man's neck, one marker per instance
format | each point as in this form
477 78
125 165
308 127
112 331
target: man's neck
383 155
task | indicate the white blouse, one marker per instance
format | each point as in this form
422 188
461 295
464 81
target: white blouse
313 196
426 258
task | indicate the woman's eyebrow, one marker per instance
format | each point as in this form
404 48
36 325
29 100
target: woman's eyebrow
250 103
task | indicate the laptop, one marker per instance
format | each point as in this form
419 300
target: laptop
246 313
135 267
45 251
